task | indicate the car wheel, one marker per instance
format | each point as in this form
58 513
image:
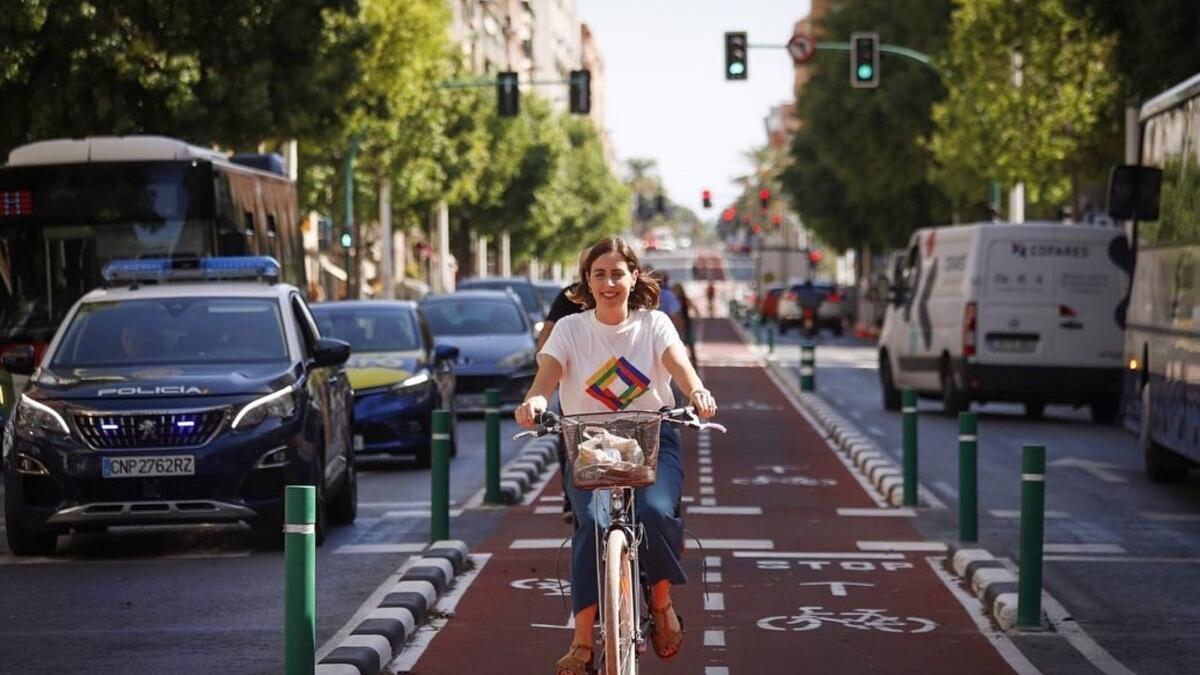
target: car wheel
23 541
953 400
344 508
891 395
1162 465
1035 409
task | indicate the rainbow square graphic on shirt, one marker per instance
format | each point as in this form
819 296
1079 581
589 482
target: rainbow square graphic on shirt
617 384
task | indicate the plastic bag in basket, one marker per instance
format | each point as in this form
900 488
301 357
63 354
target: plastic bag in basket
603 455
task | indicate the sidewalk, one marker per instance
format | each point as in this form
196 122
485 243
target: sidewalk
805 571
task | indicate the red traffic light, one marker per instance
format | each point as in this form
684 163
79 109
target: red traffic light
764 196
706 197
815 257
776 220
728 215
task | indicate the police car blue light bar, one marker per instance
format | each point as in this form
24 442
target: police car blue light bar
192 269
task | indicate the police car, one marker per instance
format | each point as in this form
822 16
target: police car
192 393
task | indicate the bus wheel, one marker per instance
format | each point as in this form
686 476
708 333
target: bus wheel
1162 465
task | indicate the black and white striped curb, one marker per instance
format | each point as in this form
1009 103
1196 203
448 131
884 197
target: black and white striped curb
990 580
883 474
378 638
520 475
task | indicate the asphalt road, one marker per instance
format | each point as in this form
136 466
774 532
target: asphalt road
208 599
1123 554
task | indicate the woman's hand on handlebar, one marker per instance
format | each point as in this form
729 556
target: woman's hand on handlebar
529 412
704 403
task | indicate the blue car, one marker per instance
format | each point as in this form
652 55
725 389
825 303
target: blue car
398 375
495 344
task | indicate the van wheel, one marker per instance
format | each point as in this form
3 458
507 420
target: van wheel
1035 409
891 395
953 400
1162 465
1104 410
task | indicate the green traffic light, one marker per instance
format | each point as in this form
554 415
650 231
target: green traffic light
737 68
346 240
865 71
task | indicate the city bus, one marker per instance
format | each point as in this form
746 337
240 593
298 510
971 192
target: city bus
1162 336
69 206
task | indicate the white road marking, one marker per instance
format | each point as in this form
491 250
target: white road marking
838 588
705 461
712 561
708 490
530 544
713 577
716 670
1121 559
732 544
819 555
1008 514
445 607
381 548
708 501
543 480
413 513
873 513
726 510
946 489
547 510
714 602
714 638
1083 548
551 498
1003 644
396 505
706 480
930 498
875 431
706 470
1171 517
931 546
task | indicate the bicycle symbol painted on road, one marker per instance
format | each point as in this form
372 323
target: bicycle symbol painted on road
811 618
803 481
550 587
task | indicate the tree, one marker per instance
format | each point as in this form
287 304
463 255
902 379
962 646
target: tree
858 175
253 71
1043 132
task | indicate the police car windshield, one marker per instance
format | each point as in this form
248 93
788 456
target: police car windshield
473 317
370 330
175 331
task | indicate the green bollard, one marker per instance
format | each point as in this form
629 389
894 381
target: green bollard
771 338
908 413
439 493
968 478
300 579
492 440
1033 505
808 367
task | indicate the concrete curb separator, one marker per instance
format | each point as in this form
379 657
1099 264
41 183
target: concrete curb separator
520 475
377 640
993 583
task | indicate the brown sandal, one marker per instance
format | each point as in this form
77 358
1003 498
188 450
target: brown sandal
573 663
666 642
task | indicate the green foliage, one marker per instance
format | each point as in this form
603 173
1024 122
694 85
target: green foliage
1040 133
858 174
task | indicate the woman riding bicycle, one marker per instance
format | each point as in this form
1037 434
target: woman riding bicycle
619 354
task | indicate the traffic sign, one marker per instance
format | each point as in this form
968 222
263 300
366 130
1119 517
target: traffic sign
802 46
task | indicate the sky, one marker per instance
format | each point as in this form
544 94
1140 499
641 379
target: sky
668 99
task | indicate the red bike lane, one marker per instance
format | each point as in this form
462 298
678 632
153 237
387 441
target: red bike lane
797 569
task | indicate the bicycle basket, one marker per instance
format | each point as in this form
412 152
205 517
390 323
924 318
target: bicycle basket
610 450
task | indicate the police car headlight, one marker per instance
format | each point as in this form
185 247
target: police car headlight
411 385
278 404
40 418
517 359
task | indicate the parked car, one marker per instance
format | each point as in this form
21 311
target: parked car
812 306
495 343
168 403
1007 312
398 374
548 290
523 288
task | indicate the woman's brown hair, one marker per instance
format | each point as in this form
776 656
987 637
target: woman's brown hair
645 291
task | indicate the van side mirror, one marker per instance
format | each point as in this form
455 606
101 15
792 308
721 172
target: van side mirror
18 360
1133 192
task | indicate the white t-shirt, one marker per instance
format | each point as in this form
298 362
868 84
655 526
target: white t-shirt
610 368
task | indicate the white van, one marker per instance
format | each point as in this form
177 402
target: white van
1007 312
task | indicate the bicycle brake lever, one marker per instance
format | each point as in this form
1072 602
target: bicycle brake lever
714 425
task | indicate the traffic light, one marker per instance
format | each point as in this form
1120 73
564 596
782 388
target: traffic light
735 56
347 240
764 197
815 257
706 198
660 205
864 60
508 94
776 220
728 215
581 92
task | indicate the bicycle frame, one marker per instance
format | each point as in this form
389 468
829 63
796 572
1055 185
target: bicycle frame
623 520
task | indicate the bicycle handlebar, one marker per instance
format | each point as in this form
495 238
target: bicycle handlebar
549 423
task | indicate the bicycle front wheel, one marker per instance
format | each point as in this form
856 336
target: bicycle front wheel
620 648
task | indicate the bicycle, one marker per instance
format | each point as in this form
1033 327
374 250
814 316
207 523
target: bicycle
624 617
